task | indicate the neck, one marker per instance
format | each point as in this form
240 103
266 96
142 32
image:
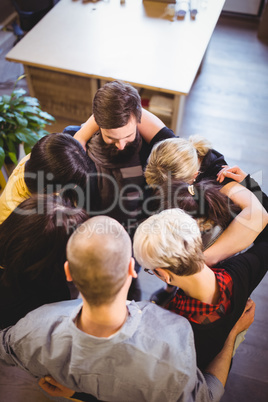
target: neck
202 286
103 321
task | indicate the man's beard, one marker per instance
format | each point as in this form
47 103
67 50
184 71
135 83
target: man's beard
116 155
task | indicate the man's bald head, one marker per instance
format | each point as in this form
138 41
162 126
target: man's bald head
99 252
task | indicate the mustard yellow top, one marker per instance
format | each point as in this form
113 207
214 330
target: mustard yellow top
15 190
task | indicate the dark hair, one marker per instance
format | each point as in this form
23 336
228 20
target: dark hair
58 160
114 103
33 241
207 202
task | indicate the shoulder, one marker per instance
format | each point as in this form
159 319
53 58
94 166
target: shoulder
162 134
212 157
247 265
172 335
43 321
167 326
15 190
211 165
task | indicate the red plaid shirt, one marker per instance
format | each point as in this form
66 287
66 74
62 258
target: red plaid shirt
203 313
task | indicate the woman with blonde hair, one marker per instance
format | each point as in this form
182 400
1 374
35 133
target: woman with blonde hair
183 160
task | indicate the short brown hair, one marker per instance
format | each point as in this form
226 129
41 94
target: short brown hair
115 103
99 253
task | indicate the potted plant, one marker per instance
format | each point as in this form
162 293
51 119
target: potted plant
21 122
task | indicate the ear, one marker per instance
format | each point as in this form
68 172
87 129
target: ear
196 174
131 268
163 274
67 272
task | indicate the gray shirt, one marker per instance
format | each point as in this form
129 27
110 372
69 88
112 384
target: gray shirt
151 358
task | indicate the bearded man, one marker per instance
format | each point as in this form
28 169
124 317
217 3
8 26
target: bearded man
119 155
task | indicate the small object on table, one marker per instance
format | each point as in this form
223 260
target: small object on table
181 9
193 8
170 10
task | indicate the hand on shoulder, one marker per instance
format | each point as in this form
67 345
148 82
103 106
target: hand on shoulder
233 172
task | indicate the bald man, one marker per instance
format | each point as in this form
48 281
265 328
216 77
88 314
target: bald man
105 347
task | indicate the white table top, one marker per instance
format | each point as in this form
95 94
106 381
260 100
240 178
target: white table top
135 42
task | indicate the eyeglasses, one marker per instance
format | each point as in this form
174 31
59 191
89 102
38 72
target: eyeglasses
148 271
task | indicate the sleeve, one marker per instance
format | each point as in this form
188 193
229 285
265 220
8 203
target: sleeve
211 165
81 396
248 269
163 134
7 355
14 192
215 387
207 389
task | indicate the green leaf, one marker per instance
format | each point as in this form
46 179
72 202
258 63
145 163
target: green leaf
21 137
27 149
10 114
41 133
27 109
28 136
6 98
5 107
13 157
2 156
10 121
46 116
11 146
18 92
1 142
21 120
11 137
29 100
37 119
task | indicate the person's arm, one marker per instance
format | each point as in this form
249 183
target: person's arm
244 228
15 190
149 126
220 365
54 388
88 129
237 174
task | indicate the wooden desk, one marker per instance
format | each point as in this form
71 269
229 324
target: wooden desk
76 44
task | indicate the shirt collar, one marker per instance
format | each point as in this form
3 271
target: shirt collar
125 332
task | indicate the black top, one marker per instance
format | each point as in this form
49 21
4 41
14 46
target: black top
15 304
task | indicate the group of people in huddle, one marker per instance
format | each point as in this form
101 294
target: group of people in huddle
82 214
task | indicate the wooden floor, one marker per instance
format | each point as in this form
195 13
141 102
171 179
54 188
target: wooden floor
229 105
